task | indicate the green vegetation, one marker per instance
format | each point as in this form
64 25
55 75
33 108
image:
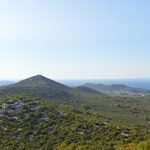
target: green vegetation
38 86
134 110
41 114
28 123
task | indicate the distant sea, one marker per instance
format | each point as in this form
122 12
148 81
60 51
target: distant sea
137 83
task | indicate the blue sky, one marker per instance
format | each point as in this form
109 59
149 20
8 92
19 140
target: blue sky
75 39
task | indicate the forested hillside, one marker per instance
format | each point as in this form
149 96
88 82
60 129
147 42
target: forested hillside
29 123
135 110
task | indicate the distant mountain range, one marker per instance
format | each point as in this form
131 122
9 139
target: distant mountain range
118 90
41 113
43 87
135 83
109 100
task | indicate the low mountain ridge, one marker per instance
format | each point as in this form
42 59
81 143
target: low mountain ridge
39 81
118 90
129 109
38 86
88 90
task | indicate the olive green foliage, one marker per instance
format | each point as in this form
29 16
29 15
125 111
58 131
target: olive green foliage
41 114
36 124
143 145
123 110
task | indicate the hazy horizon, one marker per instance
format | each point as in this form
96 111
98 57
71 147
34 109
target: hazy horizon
135 83
75 39
78 79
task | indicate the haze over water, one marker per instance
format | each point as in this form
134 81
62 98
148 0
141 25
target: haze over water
137 83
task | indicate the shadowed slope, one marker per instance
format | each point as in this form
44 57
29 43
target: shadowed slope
38 86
